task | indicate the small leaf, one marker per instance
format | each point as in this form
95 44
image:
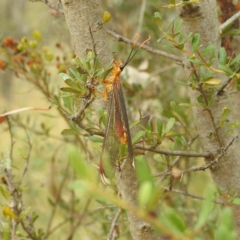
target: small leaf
145 193
235 60
158 19
195 42
137 136
142 169
65 76
195 61
96 139
178 26
70 90
227 70
98 73
186 104
75 73
206 208
200 100
236 201
233 124
209 49
177 109
225 114
24 213
168 114
169 125
232 32
222 56
66 132
225 229
213 81
78 162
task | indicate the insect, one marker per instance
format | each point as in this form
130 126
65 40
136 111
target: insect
117 144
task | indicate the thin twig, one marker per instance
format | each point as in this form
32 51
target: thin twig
80 218
49 4
16 202
120 38
175 161
188 194
203 167
175 152
114 223
27 157
58 199
230 20
205 99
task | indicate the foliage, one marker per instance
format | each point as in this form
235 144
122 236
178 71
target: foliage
78 196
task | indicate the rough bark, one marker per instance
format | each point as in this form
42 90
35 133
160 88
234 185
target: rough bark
203 19
86 29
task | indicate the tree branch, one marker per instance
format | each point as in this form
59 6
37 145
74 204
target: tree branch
230 20
175 152
120 38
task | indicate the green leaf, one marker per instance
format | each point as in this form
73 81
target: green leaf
195 61
222 56
98 72
172 220
75 73
70 90
178 26
209 49
142 169
137 136
232 32
159 126
78 162
236 201
68 102
65 76
169 125
200 100
177 109
133 124
235 60
145 193
227 70
24 213
176 219
66 132
158 19
206 208
225 229
168 114
85 64
225 114
96 139
107 71
233 124
195 42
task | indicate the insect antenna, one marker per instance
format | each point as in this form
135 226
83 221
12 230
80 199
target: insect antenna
132 54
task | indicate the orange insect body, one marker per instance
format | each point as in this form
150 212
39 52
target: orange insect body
115 76
117 128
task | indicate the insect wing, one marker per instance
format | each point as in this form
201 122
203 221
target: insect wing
110 144
125 124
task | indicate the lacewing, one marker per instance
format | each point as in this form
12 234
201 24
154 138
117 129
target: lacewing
117 144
